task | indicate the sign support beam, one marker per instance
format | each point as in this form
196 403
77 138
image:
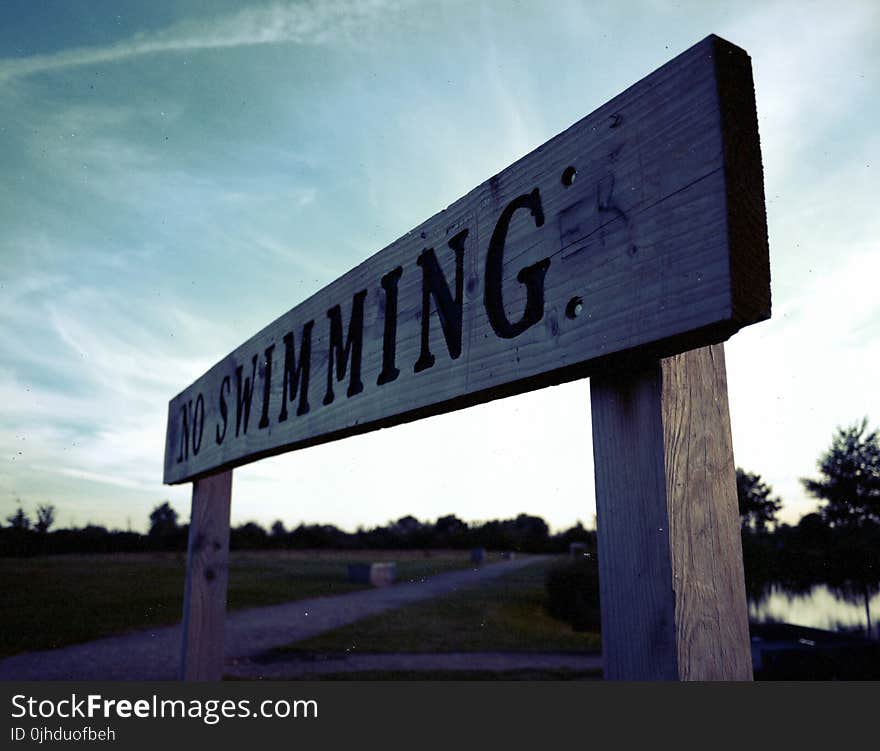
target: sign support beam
207 567
673 599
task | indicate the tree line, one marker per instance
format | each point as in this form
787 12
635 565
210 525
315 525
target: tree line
523 533
837 545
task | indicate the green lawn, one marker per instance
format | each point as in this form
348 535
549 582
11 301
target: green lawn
54 601
506 614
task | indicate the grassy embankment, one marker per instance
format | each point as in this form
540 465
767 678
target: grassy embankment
54 601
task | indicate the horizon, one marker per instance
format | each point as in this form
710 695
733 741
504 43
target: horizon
179 178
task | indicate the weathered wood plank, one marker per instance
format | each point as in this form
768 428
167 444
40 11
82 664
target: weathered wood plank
531 279
673 599
204 601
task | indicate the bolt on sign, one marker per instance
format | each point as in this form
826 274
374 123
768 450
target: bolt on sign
638 232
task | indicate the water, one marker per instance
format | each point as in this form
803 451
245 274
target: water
819 608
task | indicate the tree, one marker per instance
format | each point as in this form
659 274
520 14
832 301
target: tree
757 509
531 532
45 518
450 532
849 489
19 520
849 485
248 536
163 521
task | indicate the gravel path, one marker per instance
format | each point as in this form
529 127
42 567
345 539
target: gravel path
154 654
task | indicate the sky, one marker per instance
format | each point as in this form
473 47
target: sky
176 175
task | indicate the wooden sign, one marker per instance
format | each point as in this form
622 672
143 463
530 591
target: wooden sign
638 232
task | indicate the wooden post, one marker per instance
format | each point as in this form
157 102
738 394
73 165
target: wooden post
670 556
204 600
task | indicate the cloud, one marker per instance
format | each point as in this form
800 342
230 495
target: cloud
808 79
81 474
308 23
86 396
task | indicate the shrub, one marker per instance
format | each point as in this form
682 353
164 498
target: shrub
573 590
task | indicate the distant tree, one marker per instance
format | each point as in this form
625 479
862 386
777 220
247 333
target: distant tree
406 525
793 558
18 539
248 536
409 532
849 490
277 529
325 536
19 520
495 534
577 533
163 523
757 508
450 532
849 484
531 533
45 518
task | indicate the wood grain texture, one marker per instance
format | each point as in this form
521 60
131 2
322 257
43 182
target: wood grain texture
743 173
635 567
673 597
647 237
204 601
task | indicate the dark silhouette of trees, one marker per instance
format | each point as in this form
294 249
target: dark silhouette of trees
45 518
248 536
849 490
757 512
19 520
757 508
530 533
18 539
849 484
451 532
801 558
165 533
307 536
163 520
524 533
409 532
577 533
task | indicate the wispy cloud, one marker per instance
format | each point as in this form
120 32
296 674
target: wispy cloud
301 23
106 479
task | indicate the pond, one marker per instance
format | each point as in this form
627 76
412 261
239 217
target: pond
818 608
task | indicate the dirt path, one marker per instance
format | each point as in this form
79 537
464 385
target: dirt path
155 654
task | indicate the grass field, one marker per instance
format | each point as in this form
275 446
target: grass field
506 614
54 601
